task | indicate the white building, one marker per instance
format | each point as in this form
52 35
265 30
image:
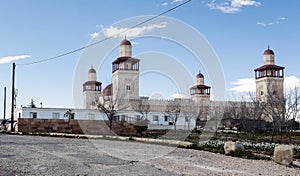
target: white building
159 113
59 113
125 85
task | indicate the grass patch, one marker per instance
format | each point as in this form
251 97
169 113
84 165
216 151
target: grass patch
246 154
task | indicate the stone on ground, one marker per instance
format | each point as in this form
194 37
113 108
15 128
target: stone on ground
283 154
232 146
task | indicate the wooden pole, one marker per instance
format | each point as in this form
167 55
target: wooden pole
12 98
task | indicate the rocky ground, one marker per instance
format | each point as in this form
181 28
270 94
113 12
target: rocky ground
36 155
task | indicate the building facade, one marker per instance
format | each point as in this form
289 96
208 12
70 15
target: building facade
184 113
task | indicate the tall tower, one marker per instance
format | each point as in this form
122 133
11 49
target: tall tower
269 79
91 90
125 73
200 93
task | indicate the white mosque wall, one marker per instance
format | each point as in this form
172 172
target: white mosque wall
58 113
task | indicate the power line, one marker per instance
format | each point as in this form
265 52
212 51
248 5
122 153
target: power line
107 38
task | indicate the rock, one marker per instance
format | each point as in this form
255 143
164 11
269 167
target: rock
232 146
283 154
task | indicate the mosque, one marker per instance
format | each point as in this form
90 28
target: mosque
182 113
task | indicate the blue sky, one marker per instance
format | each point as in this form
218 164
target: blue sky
238 30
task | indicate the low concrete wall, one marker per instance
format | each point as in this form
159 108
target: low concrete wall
74 126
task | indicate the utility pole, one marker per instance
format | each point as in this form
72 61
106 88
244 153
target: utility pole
4 106
12 98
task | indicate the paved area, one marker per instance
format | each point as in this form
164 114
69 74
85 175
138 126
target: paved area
36 155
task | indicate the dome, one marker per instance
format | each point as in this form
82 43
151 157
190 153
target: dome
107 91
199 75
269 51
91 70
125 42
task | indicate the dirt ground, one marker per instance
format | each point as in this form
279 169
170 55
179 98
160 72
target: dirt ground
37 155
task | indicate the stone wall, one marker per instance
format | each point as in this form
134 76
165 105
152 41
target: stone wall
74 126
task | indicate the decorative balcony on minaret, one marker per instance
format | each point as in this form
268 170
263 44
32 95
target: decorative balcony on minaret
125 72
269 78
91 90
200 92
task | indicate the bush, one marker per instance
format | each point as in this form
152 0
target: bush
140 128
246 154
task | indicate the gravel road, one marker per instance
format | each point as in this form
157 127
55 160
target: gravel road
36 155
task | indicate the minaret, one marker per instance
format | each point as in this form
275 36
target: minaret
269 79
125 48
200 93
91 90
125 73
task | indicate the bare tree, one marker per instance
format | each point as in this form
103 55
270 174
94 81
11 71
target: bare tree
141 106
273 108
109 107
194 111
216 114
112 104
70 115
189 113
291 110
173 110
256 111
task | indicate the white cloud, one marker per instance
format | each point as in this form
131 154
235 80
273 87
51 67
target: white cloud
177 95
291 82
131 32
172 2
241 3
95 35
176 1
232 6
276 21
281 18
99 26
8 59
246 85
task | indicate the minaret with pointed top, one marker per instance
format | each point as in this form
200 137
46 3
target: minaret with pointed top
125 73
200 93
125 48
269 78
91 90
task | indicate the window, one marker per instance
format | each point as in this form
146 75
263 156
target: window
187 119
166 118
116 118
261 93
33 115
123 117
155 118
127 87
55 115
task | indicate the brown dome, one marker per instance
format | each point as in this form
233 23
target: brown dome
107 91
199 75
269 51
91 70
125 42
